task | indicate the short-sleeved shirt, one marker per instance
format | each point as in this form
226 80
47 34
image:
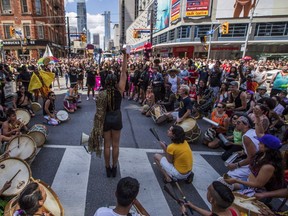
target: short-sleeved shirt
185 104
182 156
104 211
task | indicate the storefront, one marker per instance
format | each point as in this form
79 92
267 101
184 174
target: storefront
183 51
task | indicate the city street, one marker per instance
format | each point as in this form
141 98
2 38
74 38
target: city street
80 181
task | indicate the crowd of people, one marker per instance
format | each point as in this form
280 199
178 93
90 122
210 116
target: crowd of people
247 111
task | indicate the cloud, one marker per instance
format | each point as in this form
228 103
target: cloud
95 23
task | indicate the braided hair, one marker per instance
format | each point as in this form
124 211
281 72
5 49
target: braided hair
110 84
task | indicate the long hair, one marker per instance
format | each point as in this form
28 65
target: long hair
110 84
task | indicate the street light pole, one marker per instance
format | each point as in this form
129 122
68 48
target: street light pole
69 39
248 32
151 26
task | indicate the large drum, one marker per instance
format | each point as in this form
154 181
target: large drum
246 206
62 115
158 113
191 129
23 147
35 107
18 172
23 116
39 133
51 204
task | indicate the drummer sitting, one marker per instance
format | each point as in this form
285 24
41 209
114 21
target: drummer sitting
23 100
169 98
178 160
49 109
148 102
70 100
13 126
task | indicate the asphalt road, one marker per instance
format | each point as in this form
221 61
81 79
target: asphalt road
79 178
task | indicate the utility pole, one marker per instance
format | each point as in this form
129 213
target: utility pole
248 32
69 39
151 25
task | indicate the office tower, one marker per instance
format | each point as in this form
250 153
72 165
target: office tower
82 15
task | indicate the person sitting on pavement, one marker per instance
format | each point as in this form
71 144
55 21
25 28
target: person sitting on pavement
23 100
13 126
31 201
126 195
266 165
173 79
250 144
148 102
70 100
261 93
49 111
237 97
219 116
169 98
177 163
221 199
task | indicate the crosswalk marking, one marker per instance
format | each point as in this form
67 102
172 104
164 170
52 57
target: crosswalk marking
71 180
74 172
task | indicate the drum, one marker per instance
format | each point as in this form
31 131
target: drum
17 171
39 133
35 107
246 206
158 113
51 204
191 129
62 115
23 147
23 116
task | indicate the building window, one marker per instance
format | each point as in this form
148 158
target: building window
38 7
163 38
6 6
24 6
202 30
6 27
271 29
154 40
26 28
40 31
172 34
236 30
183 32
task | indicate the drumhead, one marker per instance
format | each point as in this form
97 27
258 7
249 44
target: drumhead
246 206
62 115
35 106
52 202
188 124
39 133
23 147
10 167
23 116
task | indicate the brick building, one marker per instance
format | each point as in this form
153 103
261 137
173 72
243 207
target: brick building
37 23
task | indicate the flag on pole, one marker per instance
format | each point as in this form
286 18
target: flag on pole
47 52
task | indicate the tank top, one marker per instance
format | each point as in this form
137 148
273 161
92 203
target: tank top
237 100
280 82
252 135
51 108
173 81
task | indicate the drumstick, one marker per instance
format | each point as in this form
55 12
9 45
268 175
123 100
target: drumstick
18 141
14 176
184 197
172 195
248 199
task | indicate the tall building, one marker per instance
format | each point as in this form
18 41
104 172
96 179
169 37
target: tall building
30 19
180 26
82 15
116 36
96 40
107 22
128 12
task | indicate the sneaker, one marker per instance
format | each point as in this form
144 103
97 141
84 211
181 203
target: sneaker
87 98
189 179
94 98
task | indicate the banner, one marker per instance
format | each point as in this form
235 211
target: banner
175 11
163 14
242 8
198 8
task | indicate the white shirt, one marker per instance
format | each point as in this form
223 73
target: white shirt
104 211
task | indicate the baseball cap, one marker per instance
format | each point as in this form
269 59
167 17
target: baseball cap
270 141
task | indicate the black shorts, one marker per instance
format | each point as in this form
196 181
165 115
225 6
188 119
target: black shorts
113 121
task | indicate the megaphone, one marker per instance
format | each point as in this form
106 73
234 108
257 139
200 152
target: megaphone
84 141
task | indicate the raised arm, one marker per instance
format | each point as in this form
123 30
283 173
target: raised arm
123 75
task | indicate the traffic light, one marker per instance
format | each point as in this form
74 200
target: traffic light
12 31
136 34
203 39
83 38
225 28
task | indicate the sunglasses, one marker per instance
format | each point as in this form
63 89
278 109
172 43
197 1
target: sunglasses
220 107
235 118
53 95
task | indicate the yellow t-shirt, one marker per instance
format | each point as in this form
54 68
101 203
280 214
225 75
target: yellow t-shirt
182 156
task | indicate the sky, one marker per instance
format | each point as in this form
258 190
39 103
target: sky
95 21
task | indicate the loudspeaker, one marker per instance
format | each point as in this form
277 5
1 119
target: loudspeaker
84 141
